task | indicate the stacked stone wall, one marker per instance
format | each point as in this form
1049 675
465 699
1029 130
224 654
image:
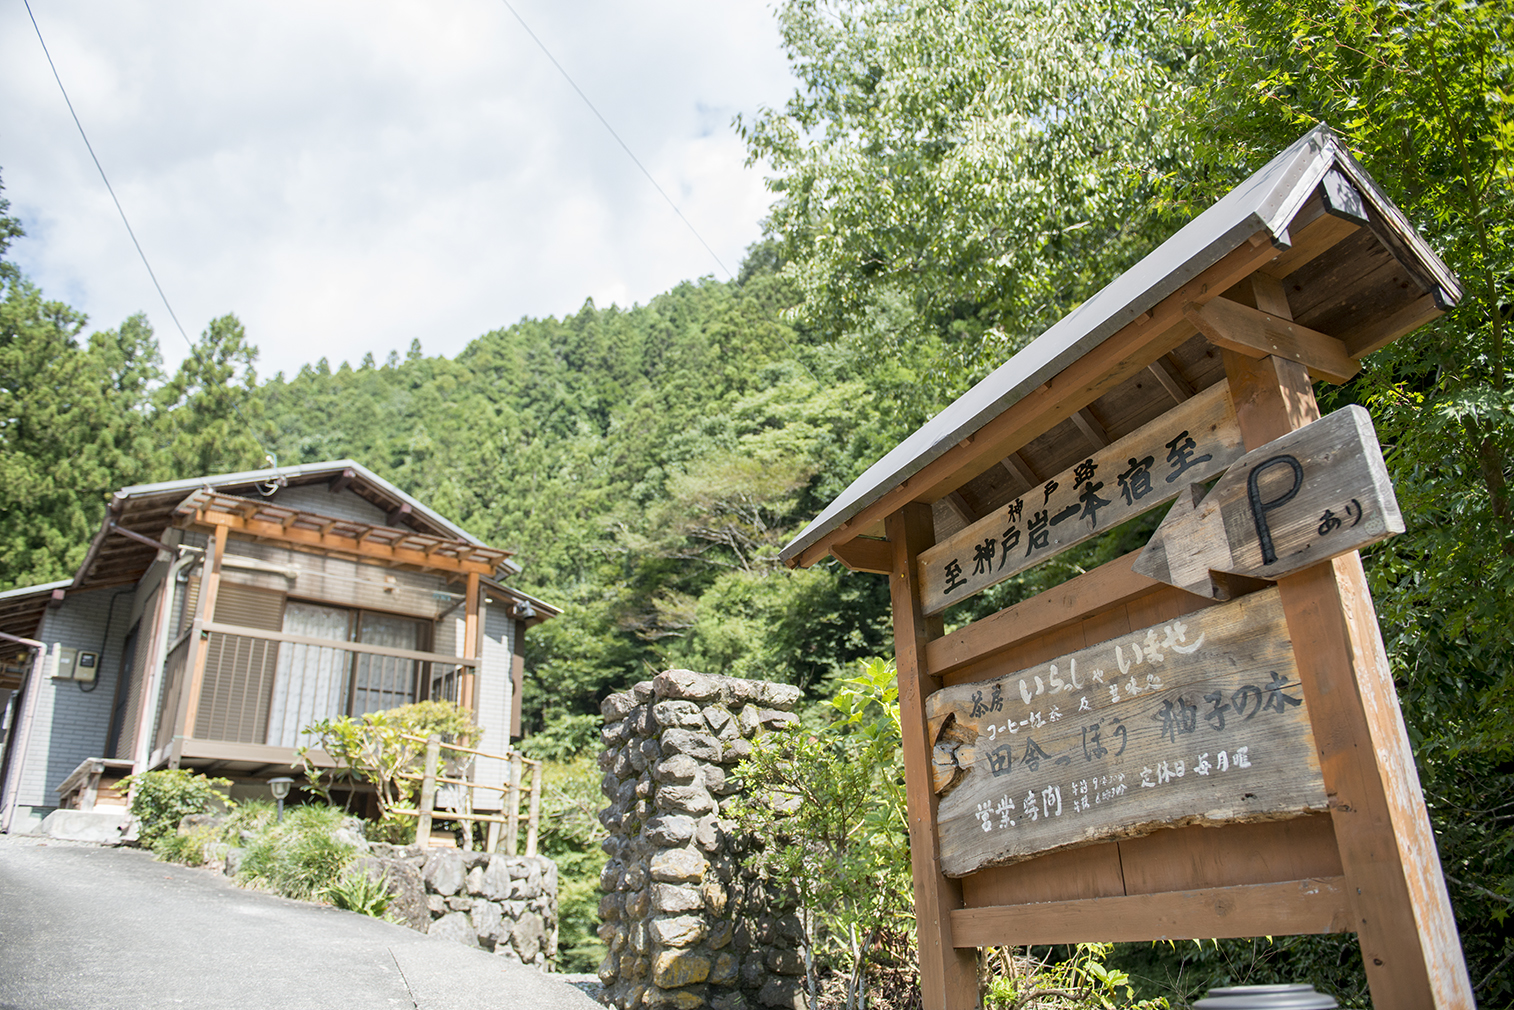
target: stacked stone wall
688 924
505 904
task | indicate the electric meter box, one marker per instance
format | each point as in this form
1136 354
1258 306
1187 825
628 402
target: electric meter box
76 665
86 666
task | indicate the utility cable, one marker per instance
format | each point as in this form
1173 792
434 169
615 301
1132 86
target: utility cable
637 161
623 146
193 350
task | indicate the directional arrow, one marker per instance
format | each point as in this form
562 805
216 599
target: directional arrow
1309 496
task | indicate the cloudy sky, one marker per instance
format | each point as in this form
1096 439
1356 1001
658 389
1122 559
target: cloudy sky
348 175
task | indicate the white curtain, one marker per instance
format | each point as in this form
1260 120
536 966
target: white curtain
311 681
385 681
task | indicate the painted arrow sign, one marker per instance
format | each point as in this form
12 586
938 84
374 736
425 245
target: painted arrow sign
1309 496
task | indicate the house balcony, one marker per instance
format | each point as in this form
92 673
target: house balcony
239 699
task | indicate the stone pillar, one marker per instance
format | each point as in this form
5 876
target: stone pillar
687 924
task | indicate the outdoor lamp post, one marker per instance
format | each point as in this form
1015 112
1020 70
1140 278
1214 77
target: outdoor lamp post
280 787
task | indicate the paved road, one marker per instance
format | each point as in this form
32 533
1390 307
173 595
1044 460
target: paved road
83 927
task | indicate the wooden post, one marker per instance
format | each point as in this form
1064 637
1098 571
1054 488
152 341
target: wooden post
427 799
470 641
194 675
1401 911
91 786
948 976
512 806
492 844
534 819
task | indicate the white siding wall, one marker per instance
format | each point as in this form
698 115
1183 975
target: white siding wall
318 498
70 725
341 581
493 695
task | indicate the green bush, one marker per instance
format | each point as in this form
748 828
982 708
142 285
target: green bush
828 808
1080 981
570 836
160 799
359 891
187 848
251 816
300 858
380 747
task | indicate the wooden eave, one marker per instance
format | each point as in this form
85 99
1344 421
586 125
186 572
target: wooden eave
21 613
149 509
262 520
1355 275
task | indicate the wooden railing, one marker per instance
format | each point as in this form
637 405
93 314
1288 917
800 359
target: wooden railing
237 682
509 816
174 667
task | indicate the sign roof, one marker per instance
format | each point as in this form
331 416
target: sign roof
1268 200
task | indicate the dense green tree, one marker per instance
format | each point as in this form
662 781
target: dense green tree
72 427
208 421
953 177
1423 92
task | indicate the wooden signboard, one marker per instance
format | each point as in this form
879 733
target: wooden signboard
1152 750
1145 469
1197 720
1314 494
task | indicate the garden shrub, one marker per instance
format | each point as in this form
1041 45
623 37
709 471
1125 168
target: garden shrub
188 848
374 749
300 858
360 891
570 837
160 799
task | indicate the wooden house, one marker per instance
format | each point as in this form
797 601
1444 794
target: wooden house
214 618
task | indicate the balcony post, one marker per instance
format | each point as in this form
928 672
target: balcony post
194 678
470 641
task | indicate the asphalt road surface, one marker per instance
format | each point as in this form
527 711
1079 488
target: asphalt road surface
83 927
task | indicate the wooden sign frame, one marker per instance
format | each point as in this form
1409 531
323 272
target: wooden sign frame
1225 315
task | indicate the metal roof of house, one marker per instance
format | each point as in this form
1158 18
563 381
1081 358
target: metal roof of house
1267 200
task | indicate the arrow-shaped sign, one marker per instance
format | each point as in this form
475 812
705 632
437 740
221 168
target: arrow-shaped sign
1309 496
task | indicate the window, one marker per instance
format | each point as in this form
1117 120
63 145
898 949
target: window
315 682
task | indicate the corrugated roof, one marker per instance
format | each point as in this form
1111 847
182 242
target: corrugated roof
1267 200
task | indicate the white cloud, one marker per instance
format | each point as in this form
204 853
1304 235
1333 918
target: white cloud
348 175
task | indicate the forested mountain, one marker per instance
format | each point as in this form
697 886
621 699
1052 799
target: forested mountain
645 464
949 177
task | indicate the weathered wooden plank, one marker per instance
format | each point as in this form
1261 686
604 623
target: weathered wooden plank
1318 492
1108 585
1252 332
1183 859
1197 720
1190 443
1369 337
1167 375
1093 871
1310 241
1285 908
948 976
1400 909
1017 467
866 554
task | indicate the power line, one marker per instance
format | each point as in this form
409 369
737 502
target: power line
194 351
623 146
637 161
108 188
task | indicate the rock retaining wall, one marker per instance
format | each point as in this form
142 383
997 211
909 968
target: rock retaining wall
505 904
687 924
